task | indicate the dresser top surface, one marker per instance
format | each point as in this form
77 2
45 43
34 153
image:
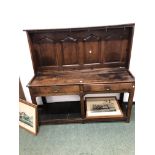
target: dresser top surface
87 76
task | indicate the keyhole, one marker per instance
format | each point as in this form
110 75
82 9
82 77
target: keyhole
90 51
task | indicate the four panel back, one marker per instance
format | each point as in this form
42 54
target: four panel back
79 48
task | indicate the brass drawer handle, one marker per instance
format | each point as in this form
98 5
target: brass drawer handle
55 91
108 89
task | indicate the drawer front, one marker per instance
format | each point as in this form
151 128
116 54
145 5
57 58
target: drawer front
108 87
55 90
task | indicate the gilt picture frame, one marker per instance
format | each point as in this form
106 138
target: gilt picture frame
28 118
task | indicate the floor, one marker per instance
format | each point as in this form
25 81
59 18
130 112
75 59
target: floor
116 138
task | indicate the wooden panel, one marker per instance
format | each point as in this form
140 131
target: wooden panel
91 52
115 51
59 54
103 42
91 48
46 53
81 53
80 48
37 55
69 53
112 51
124 49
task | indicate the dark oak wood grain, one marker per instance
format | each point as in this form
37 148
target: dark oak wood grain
81 61
85 76
107 46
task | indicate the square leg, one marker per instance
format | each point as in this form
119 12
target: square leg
129 107
44 100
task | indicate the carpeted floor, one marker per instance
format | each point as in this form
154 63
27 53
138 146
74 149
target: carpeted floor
116 138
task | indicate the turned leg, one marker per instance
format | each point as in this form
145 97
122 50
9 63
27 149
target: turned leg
130 102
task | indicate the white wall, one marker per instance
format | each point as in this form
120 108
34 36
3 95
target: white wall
66 14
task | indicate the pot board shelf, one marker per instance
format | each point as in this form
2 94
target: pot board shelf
69 112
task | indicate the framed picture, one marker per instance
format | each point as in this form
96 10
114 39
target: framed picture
102 107
28 116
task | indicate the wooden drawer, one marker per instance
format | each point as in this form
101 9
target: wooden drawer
55 90
108 87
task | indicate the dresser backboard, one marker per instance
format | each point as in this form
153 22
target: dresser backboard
80 48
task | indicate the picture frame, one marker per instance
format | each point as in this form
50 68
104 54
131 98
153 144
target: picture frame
103 107
28 116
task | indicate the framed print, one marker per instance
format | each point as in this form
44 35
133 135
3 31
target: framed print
102 107
28 116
